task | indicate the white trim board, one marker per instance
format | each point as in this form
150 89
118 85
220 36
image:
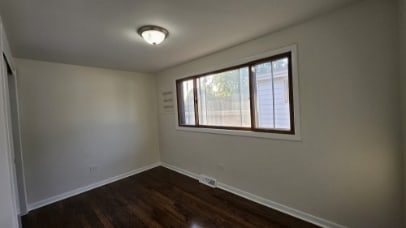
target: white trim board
266 135
260 200
80 190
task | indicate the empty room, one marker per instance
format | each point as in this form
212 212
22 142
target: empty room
231 113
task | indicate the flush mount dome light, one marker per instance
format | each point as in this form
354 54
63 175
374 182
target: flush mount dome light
153 34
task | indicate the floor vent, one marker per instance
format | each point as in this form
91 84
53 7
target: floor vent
208 181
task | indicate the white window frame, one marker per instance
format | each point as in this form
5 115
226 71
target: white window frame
269 135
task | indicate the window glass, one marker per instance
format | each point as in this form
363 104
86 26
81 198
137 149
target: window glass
272 94
186 102
223 99
255 96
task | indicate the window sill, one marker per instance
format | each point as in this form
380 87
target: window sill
253 134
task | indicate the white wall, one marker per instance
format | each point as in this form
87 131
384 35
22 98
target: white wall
75 117
348 166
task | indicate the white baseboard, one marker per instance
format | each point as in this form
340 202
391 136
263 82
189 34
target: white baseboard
260 200
181 171
80 190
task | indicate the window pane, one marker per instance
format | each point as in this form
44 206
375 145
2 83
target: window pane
223 99
186 102
272 94
281 94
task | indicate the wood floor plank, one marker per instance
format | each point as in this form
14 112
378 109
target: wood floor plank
157 198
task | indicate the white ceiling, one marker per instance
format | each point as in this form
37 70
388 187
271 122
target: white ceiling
103 32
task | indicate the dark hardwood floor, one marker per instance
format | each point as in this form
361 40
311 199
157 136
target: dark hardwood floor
157 198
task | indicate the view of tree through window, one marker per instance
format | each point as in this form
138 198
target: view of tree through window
255 96
224 99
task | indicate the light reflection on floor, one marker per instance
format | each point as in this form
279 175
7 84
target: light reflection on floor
195 225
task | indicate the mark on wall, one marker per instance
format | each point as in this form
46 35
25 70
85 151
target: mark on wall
167 104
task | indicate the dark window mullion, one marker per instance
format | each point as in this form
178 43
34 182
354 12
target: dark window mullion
252 96
291 101
195 102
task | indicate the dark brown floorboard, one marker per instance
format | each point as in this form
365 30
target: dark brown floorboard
157 198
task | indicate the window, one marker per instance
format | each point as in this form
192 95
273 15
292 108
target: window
254 96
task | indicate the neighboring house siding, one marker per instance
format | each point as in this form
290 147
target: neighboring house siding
265 100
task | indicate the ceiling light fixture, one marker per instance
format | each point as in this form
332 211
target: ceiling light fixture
153 34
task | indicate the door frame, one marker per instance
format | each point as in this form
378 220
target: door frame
17 154
8 141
